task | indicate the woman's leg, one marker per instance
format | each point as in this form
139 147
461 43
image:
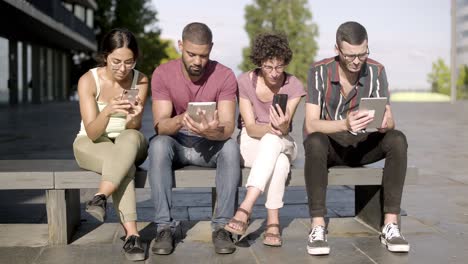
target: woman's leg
274 198
268 149
133 146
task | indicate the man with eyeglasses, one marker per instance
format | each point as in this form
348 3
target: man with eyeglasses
181 141
336 133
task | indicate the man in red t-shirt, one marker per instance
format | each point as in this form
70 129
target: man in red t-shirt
180 141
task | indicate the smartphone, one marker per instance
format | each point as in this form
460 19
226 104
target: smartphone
130 95
281 100
207 107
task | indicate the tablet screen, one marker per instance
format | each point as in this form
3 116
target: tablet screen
376 107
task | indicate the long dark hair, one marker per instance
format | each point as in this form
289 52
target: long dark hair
115 39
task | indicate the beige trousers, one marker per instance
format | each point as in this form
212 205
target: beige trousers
115 159
270 159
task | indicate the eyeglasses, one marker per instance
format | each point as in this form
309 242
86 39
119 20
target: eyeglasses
269 69
352 57
116 65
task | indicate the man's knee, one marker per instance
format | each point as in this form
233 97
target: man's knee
230 149
395 139
160 146
316 142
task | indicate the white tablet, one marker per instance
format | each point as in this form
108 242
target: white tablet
376 107
207 108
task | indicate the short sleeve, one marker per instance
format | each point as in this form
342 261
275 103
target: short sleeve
381 88
243 82
296 89
314 86
159 88
229 88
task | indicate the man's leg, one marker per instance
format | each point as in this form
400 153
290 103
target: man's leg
393 147
161 154
225 157
227 181
317 148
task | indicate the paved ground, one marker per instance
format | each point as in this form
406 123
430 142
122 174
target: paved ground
436 225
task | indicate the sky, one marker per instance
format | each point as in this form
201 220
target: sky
405 36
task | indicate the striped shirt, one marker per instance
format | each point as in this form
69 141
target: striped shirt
324 88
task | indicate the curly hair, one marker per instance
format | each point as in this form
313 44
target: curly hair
269 46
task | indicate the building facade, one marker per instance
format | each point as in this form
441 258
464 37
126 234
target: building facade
37 41
462 32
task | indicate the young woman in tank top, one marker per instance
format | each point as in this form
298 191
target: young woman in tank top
109 142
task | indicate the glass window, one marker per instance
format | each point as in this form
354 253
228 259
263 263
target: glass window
80 12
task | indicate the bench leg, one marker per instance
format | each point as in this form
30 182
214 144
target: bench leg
368 205
63 214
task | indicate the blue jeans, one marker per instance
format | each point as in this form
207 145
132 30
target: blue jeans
171 152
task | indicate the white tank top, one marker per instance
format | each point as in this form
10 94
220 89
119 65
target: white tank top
116 121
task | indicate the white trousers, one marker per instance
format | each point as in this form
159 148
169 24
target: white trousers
270 160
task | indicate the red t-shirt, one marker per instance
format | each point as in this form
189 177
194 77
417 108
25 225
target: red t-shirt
218 83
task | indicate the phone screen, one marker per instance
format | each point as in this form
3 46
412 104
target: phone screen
130 95
281 100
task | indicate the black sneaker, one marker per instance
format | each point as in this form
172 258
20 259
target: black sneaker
317 243
133 248
392 238
163 243
97 207
222 241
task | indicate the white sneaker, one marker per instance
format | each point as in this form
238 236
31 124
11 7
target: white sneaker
392 238
317 243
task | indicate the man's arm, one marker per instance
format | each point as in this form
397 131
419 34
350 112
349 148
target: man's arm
314 124
354 122
163 123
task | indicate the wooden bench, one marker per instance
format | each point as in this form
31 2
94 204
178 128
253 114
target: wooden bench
63 179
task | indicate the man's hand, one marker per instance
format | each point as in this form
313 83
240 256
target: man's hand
358 120
388 117
278 120
209 130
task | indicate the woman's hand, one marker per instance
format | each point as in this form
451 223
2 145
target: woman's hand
116 105
279 120
135 110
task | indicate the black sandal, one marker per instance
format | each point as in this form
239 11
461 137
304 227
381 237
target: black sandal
133 248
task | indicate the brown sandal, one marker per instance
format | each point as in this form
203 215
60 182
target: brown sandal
242 224
270 235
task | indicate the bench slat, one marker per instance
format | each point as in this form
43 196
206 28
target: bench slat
205 177
65 174
26 180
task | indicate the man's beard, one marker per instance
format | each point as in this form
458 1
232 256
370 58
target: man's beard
193 72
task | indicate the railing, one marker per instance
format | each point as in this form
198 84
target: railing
59 13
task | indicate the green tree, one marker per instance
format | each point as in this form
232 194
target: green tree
462 82
439 77
294 19
139 17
